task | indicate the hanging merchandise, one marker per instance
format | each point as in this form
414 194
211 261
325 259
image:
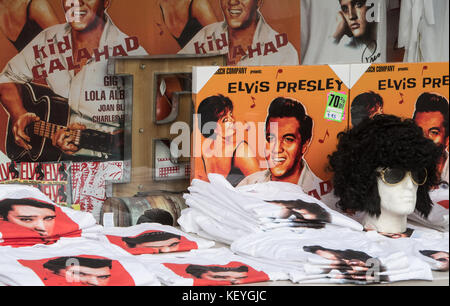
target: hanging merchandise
53 179
424 30
343 31
90 183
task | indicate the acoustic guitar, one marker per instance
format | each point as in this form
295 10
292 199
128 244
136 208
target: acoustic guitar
54 112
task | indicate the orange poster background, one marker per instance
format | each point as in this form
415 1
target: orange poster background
314 101
401 101
143 18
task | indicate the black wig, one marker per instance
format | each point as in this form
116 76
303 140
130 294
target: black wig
385 141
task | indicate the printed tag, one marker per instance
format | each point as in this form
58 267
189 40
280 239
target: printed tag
335 110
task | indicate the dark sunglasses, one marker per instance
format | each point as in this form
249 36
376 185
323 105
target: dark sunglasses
393 176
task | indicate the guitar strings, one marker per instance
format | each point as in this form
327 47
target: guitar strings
47 130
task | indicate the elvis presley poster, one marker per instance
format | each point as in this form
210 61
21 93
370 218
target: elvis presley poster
418 91
257 124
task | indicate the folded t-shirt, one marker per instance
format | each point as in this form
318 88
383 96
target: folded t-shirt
28 217
428 245
72 262
210 267
418 270
337 255
219 211
194 221
258 201
438 218
153 238
326 247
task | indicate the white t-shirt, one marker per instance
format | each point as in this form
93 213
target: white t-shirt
211 267
195 221
152 238
273 191
424 30
48 221
426 244
208 199
438 218
318 24
332 255
219 208
91 263
417 271
287 245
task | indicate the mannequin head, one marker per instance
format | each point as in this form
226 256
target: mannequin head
399 199
385 165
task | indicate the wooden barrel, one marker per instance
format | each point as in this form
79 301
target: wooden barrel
126 211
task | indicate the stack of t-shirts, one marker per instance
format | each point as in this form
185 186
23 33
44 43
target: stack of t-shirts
28 217
438 218
153 238
435 253
211 267
194 221
428 245
219 211
337 255
72 262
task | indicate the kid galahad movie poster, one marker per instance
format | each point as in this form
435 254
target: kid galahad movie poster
58 103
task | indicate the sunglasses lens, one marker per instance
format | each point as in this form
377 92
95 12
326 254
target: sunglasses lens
420 176
393 176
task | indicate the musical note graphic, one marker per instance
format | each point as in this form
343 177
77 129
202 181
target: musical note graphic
424 68
253 102
160 28
327 134
403 98
278 72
